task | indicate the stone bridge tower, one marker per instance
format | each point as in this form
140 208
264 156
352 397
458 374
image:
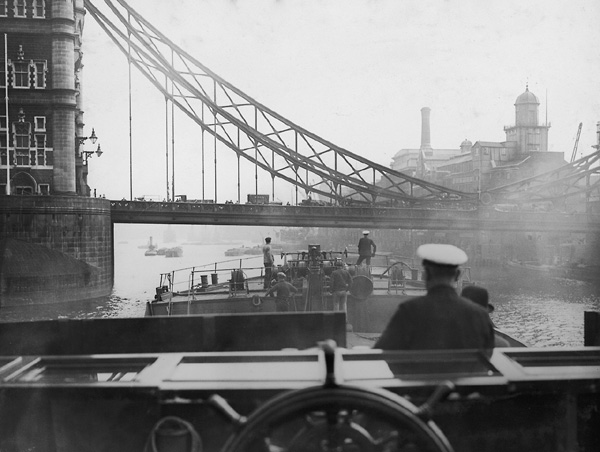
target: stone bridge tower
55 241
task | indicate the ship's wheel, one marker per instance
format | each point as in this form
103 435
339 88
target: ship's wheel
339 418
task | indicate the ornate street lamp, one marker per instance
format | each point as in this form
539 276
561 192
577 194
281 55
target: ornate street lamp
85 155
88 154
92 138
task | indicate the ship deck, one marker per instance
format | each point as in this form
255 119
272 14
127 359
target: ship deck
109 384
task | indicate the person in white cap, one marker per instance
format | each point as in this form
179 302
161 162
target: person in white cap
441 319
365 245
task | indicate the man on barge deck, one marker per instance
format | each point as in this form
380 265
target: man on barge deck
441 319
268 261
284 291
366 249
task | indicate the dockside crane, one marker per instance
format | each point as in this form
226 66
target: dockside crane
576 143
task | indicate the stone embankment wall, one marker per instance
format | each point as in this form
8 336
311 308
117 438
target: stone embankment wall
54 248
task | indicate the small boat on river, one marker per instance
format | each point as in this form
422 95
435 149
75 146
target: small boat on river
175 251
151 248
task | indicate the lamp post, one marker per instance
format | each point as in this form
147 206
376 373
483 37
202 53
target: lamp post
85 155
93 138
88 154
82 170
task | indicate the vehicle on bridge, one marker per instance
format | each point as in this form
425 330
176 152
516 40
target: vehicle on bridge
258 199
184 198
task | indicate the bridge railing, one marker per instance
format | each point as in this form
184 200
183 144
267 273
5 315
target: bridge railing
484 217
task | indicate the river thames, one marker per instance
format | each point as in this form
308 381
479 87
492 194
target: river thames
539 311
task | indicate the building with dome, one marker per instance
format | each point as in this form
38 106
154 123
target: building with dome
475 167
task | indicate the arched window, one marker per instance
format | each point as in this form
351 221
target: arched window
24 184
19 8
39 10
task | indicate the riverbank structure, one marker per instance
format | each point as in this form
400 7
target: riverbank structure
55 240
483 165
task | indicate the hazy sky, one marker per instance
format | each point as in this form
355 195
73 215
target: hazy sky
355 72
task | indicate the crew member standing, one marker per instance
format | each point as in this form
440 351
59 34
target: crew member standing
366 249
284 292
341 280
441 319
268 261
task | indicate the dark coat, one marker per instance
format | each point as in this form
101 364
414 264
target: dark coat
364 247
340 280
442 319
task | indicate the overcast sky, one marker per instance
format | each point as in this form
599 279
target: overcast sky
355 72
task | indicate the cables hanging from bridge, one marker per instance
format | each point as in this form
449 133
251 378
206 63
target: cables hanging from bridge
276 145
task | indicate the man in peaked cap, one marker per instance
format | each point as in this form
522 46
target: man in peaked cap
366 249
441 319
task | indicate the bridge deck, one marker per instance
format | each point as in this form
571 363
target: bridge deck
483 218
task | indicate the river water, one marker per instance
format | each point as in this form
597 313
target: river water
541 312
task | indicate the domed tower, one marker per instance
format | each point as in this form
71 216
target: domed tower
529 135
526 109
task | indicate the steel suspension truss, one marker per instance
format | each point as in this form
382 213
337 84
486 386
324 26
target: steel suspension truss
271 142
580 178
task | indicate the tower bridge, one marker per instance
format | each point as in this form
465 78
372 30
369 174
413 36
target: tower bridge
42 160
485 218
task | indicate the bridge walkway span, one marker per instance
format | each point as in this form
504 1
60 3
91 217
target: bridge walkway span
484 218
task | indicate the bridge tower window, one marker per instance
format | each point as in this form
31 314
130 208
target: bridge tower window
40 123
40 143
40 74
39 9
24 190
22 138
20 74
19 8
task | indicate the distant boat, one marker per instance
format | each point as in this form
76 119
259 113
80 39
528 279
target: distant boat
151 248
255 250
235 251
176 251
250 251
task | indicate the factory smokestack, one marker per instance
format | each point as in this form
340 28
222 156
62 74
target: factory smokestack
425 129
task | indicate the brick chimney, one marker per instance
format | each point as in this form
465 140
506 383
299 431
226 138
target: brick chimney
425 129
